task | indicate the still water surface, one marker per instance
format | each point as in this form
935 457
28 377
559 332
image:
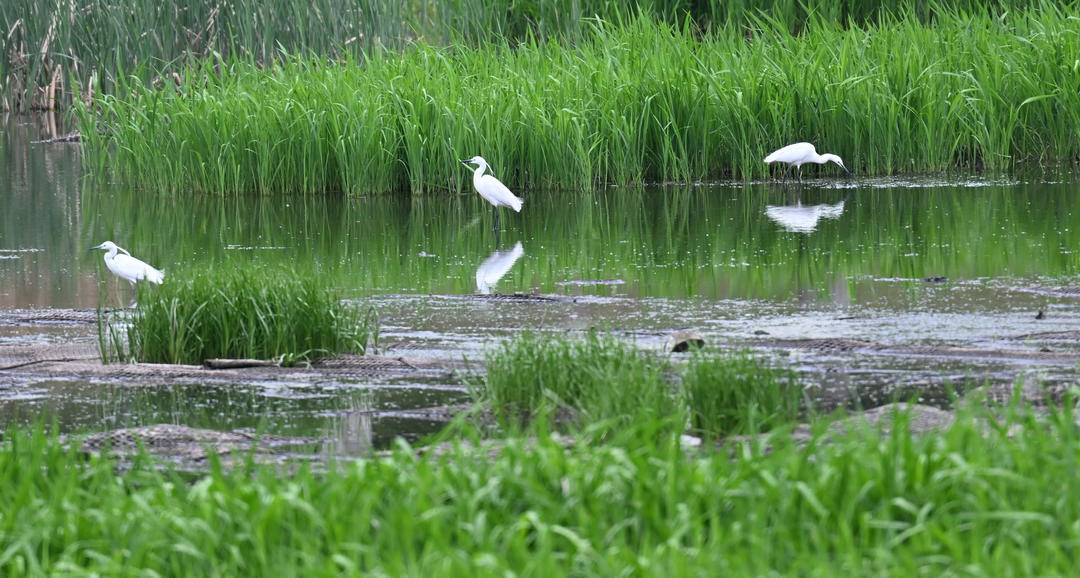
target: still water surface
743 241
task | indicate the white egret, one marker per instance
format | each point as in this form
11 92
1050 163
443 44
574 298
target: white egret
126 267
492 189
802 219
800 153
495 267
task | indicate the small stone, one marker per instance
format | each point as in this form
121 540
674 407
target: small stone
936 279
689 441
681 341
1040 315
760 332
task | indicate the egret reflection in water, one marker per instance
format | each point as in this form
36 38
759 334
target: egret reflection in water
799 218
495 267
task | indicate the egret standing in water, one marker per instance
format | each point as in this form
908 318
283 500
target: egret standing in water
492 189
128 268
800 153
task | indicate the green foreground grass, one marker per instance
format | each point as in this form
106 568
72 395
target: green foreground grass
633 103
236 313
976 500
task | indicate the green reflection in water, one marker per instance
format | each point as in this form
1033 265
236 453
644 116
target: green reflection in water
712 242
337 414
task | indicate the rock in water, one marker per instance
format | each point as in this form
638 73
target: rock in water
681 341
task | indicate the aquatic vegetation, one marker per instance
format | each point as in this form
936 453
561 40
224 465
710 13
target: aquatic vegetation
598 377
52 53
633 103
735 393
594 378
237 313
998 499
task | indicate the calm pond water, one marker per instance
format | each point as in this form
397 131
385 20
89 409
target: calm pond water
755 251
755 241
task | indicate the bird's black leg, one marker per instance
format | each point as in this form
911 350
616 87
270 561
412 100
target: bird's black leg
787 169
495 213
800 174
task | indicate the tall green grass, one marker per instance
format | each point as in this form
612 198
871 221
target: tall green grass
595 378
51 52
237 313
536 377
971 501
634 103
736 393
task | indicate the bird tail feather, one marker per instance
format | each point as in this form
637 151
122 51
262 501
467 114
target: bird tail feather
516 204
155 276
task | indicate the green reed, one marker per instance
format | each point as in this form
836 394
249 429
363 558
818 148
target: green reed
633 103
592 379
598 378
53 53
238 313
736 393
974 500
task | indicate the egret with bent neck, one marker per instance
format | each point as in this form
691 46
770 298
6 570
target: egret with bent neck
800 153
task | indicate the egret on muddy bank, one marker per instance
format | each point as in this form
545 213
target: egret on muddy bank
126 267
800 153
492 189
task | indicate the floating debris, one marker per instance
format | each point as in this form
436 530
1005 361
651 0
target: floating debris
591 282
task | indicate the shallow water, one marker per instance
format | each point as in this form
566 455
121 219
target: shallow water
956 261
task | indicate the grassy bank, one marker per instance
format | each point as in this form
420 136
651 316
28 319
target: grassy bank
236 313
637 103
51 52
970 501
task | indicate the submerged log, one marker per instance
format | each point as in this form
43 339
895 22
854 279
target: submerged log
69 137
238 363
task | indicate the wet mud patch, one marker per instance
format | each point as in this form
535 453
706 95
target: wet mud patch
926 343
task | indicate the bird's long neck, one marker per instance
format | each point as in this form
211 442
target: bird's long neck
110 254
819 159
477 173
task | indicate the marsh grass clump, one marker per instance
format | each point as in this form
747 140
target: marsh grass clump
736 393
238 313
592 379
